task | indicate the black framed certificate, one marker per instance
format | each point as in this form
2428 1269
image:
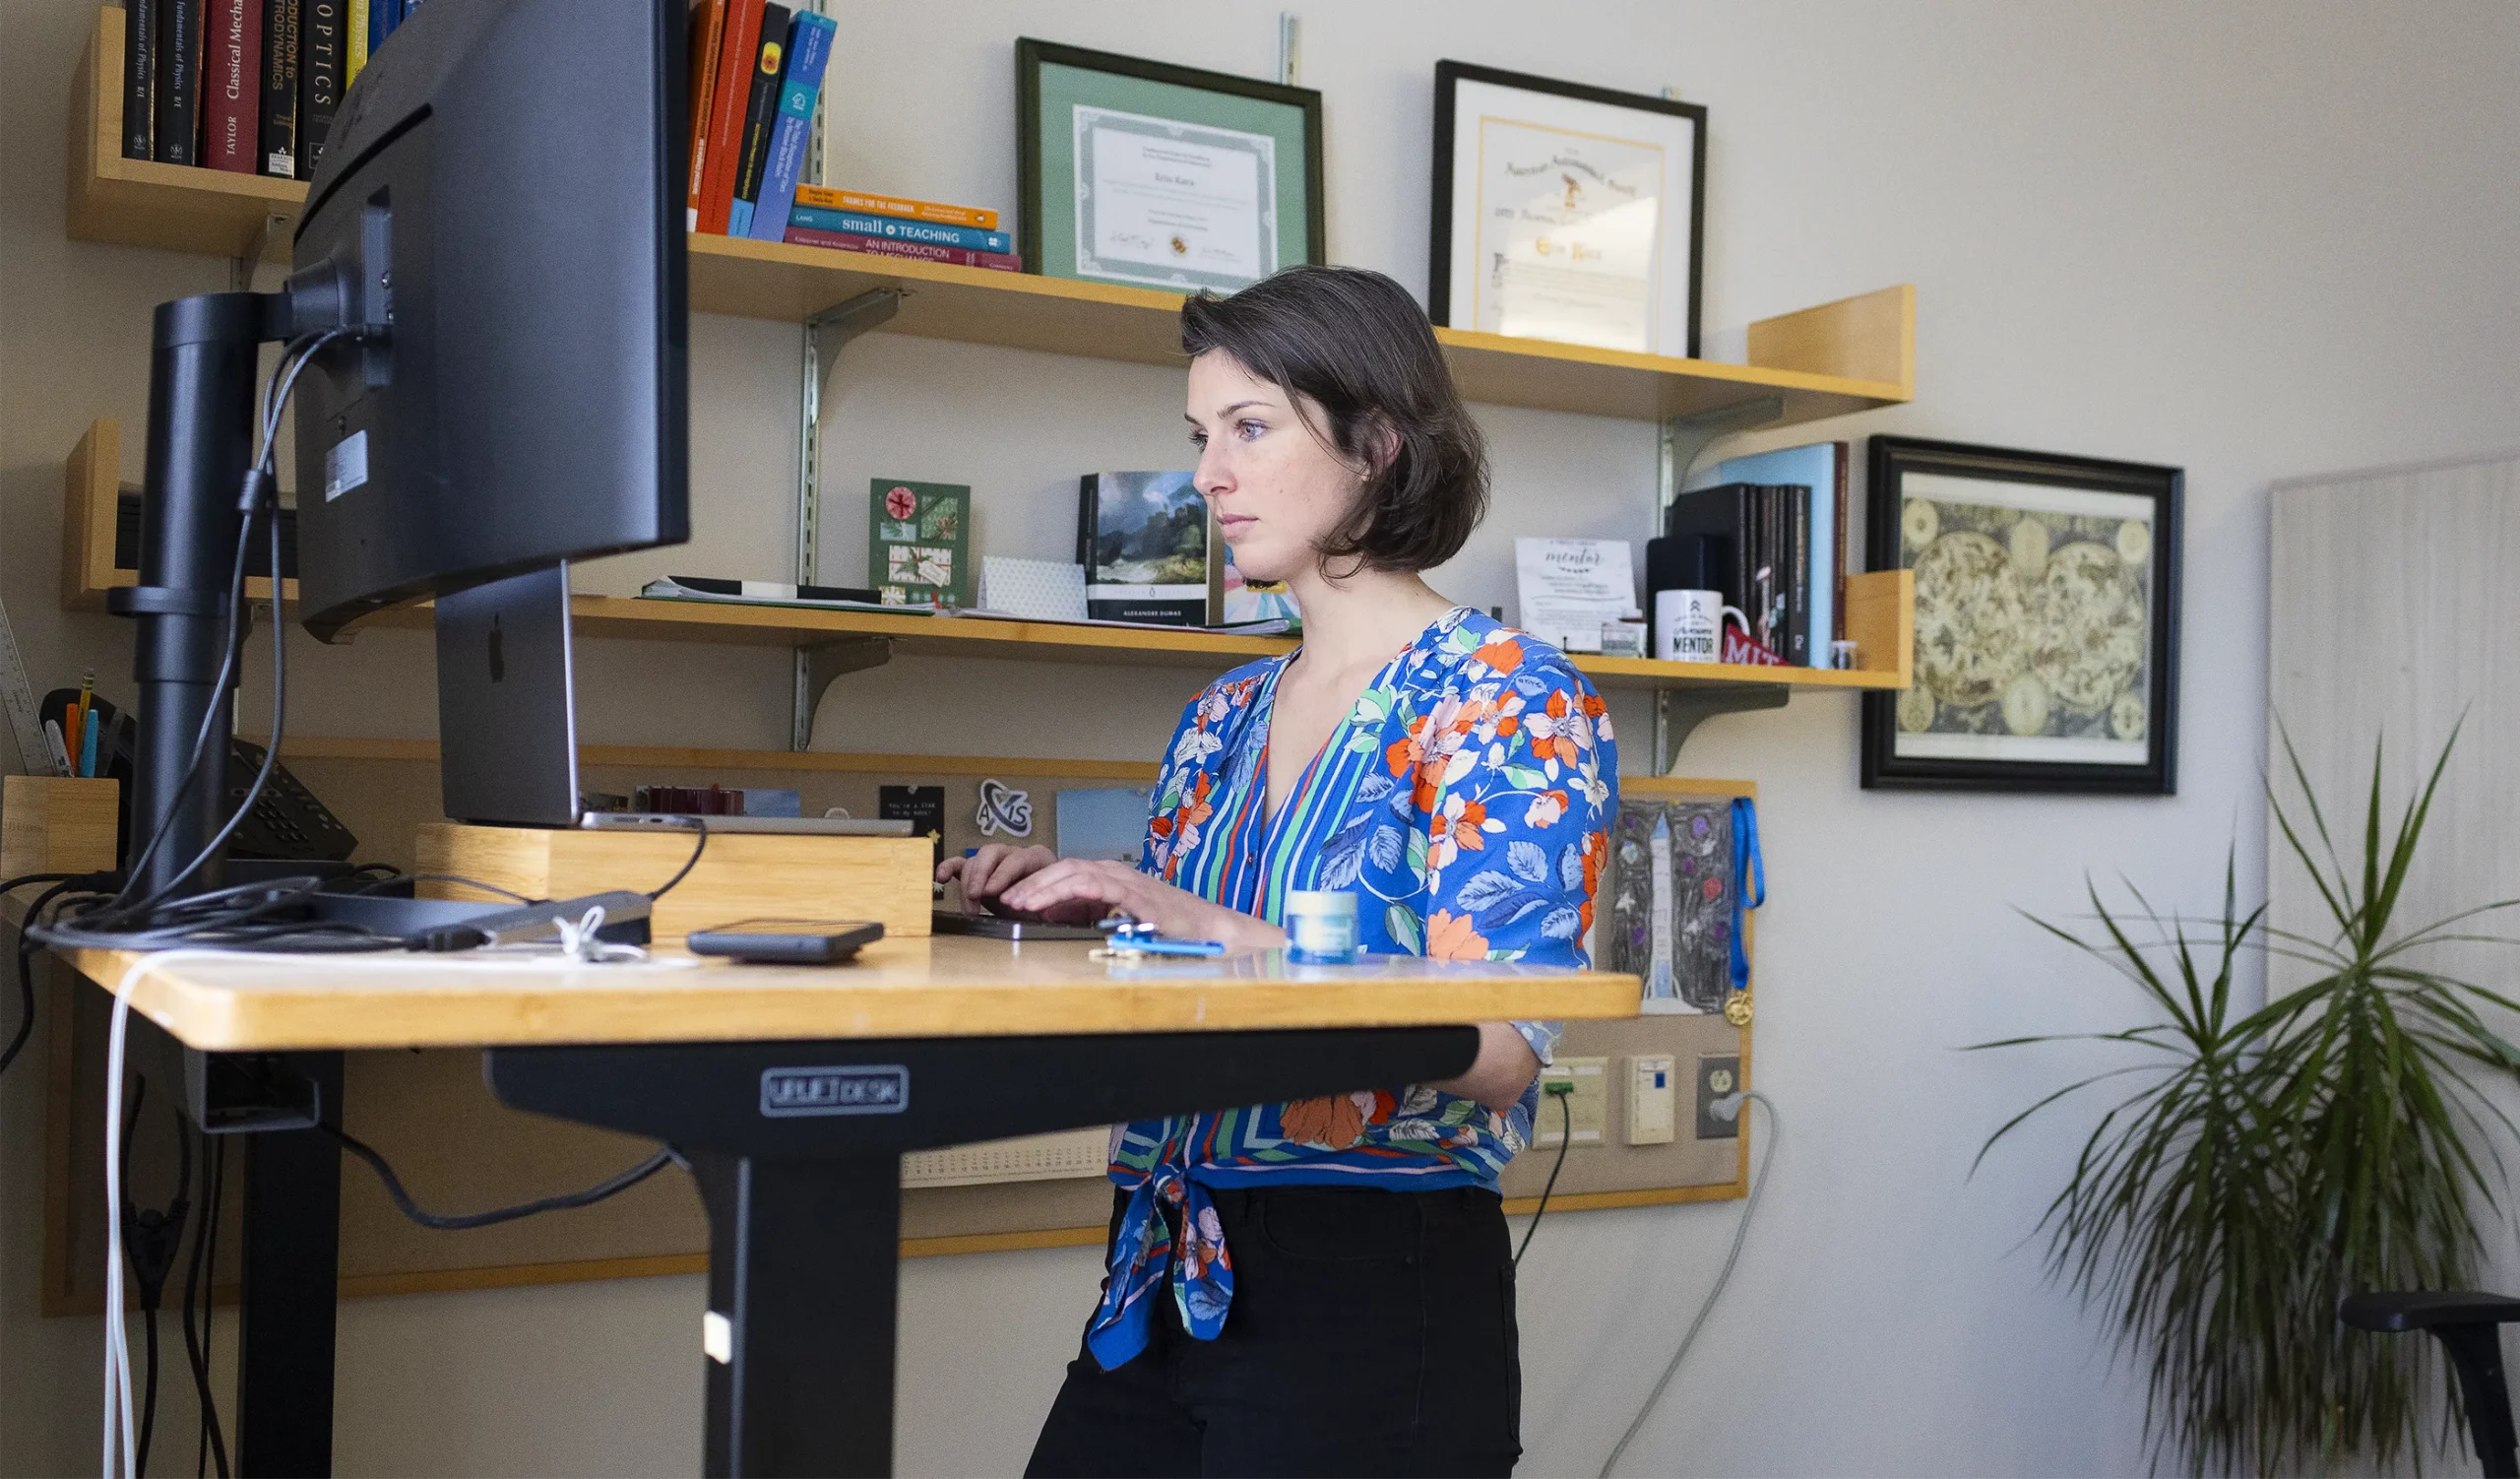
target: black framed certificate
1152 175
1566 211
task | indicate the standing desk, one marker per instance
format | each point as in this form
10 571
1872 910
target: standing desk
792 1093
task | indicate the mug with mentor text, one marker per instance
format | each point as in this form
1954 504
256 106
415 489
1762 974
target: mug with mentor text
1688 626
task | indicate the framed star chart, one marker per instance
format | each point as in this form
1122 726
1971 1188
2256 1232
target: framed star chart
2046 620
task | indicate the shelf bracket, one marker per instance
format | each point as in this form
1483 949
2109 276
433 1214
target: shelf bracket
240 268
1687 438
826 334
817 664
1677 712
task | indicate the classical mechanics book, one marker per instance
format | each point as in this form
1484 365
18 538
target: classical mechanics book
918 542
1144 540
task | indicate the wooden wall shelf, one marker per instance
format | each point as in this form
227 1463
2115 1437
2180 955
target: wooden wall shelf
1854 355
1880 614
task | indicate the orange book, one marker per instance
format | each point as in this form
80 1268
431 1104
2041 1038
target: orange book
893 205
738 53
708 28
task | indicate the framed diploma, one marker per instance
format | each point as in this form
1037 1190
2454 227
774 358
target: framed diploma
1152 175
1566 211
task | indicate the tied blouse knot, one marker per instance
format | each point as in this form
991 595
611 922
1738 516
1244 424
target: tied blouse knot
1465 800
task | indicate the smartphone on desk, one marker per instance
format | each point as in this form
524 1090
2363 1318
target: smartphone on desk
786 941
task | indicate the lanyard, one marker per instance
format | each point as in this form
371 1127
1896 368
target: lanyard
1749 873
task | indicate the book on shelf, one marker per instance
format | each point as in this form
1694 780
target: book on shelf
738 52
809 46
895 229
707 29
824 198
841 241
761 102
138 77
177 91
1819 467
363 23
1144 540
322 42
231 103
277 151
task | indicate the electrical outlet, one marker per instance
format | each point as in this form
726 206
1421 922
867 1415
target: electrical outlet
1718 1096
1589 1106
1650 1092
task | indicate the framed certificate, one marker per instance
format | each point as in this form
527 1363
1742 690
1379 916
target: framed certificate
1566 211
1154 175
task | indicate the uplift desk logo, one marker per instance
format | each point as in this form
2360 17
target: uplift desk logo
796 1093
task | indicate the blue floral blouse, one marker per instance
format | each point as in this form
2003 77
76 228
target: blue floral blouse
1465 800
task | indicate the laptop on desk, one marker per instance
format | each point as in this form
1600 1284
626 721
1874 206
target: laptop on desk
785 826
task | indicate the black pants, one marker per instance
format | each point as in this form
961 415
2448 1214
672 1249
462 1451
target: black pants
1371 1333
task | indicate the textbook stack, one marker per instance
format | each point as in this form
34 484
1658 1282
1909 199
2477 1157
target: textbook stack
852 222
247 86
756 78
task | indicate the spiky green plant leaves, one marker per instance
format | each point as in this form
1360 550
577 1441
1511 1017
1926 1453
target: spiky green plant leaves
2268 1162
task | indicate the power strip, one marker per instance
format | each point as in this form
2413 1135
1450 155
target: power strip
1062 1155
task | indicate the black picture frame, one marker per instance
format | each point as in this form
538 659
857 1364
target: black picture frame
1032 55
1448 77
1891 460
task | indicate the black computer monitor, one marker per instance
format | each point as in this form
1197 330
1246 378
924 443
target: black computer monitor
494 241
508 179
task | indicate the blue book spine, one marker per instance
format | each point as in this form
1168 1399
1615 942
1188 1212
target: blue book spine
859 224
809 39
740 218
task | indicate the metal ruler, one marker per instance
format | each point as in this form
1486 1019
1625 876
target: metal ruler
21 700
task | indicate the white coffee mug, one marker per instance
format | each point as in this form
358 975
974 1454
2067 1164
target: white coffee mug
1688 626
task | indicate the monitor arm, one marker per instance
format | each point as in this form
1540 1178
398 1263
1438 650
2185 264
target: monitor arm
202 364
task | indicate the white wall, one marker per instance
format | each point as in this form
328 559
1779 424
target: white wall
2254 241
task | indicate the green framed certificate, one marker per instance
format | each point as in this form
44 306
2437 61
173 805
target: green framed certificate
1152 175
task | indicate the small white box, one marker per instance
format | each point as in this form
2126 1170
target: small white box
1651 1094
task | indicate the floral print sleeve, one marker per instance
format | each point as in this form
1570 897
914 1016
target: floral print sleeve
1465 800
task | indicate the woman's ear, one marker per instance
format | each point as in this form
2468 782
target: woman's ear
1381 445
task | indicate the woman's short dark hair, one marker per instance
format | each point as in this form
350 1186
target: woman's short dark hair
1356 345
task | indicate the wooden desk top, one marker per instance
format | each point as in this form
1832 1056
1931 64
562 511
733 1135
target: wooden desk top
944 987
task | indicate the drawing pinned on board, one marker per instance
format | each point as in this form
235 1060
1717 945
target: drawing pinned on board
1003 808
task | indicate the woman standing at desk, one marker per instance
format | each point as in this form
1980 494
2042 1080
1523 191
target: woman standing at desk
1340 1285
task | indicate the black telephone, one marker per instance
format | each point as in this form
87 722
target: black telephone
286 822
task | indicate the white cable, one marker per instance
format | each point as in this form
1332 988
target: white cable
1767 1157
118 1334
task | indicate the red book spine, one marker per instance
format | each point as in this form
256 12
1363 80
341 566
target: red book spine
231 91
885 246
708 28
738 53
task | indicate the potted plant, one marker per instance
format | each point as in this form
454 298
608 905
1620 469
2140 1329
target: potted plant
2269 1161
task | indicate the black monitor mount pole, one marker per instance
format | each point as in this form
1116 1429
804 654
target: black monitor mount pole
202 364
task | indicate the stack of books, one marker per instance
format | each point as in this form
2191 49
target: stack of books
1771 536
248 86
756 78
852 221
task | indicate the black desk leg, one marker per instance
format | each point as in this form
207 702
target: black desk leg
801 1271
292 1248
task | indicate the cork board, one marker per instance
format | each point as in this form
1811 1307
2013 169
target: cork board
458 1149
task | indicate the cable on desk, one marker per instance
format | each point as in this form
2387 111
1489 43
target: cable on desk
462 1221
700 824
1723 1278
28 944
398 876
1563 1091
